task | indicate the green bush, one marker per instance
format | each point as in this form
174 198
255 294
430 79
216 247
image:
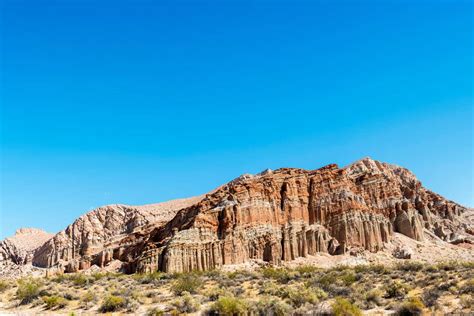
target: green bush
326 280
4 285
88 298
396 290
28 290
412 266
80 279
98 275
412 306
447 265
186 283
466 301
186 303
374 296
342 307
347 277
146 278
299 296
272 306
279 274
230 306
60 278
467 287
112 303
155 312
375 268
54 302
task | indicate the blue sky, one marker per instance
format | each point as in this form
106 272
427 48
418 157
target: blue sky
144 101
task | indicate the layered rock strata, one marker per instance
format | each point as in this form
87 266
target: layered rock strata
288 213
274 216
18 251
93 238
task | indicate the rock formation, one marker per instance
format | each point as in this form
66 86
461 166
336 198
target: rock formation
274 216
18 250
96 234
288 213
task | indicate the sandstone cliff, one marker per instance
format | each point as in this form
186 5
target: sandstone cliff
274 216
96 234
289 213
17 251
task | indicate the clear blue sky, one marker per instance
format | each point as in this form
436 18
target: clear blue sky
143 101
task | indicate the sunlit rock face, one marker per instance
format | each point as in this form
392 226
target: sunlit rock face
274 216
288 213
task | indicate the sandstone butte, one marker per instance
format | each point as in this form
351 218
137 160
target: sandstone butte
275 216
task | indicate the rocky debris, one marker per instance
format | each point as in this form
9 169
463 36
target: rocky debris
273 217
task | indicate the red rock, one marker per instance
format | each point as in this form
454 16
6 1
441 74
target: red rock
274 216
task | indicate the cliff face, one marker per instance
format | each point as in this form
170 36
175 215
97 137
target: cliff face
288 213
18 250
92 238
274 216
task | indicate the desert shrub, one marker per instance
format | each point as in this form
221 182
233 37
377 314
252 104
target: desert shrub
112 303
213 274
466 301
375 268
229 306
54 302
326 280
279 274
155 312
186 283
28 290
348 277
98 275
214 293
374 296
274 289
241 275
60 278
69 295
467 287
80 279
447 266
299 296
146 278
396 290
412 306
272 306
307 270
412 266
342 307
4 285
430 296
186 303
431 268
88 298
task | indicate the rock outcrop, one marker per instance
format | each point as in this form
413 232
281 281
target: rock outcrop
289 213
96 234
273 216
18 250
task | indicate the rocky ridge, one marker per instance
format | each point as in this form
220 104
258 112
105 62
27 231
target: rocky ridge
275 217
17 252
288 213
